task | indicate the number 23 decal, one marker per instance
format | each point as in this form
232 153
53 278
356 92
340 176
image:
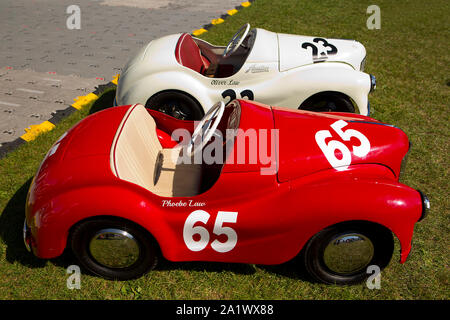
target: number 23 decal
315 51
202 239
232 94
329 148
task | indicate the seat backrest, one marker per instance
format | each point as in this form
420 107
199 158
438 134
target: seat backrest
188 53
136 148
138 157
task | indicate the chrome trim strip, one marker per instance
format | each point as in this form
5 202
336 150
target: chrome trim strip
373 122
426 205
26 235
373 83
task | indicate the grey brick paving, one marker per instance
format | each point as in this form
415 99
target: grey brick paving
36 44
28 97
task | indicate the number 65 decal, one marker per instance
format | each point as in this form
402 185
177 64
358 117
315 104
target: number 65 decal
202 216
329 149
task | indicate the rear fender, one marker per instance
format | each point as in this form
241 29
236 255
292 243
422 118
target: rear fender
52 225
185 81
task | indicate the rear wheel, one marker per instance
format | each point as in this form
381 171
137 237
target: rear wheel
114 249
328 102
176 104
342 253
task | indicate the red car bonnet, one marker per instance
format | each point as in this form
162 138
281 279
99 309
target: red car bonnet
301 155
255 126
86 153
94 134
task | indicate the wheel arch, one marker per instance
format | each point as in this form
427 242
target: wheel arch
356 223
330 93
114 218
178 91
140 90
306 81
130 202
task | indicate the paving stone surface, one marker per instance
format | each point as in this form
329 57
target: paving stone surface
28 97
37 44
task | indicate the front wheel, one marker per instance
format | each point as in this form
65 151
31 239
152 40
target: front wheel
341 254
114 249
328 102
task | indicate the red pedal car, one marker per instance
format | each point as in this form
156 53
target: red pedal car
113 189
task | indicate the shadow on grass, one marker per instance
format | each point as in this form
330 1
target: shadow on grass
292 269
11 224
105 101
199 266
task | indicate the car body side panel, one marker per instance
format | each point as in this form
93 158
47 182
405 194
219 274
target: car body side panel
53 221
273 221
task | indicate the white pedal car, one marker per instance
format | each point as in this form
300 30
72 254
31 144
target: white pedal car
183 76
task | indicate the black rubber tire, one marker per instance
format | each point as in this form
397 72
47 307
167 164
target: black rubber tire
328 102
380 237
176 104
148 250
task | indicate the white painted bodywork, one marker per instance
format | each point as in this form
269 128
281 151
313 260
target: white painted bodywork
278 71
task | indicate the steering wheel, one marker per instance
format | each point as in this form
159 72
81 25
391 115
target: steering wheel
206 128
237 40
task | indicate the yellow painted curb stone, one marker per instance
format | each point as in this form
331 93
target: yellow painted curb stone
115 79
199 32
80 102
217 21
35 130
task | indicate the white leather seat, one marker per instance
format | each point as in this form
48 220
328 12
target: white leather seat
138 157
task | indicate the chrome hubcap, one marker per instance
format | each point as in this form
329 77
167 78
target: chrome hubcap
348 253
114 248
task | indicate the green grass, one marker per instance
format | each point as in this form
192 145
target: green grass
409 57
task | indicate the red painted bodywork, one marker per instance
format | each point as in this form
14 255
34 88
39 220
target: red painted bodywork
277 213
